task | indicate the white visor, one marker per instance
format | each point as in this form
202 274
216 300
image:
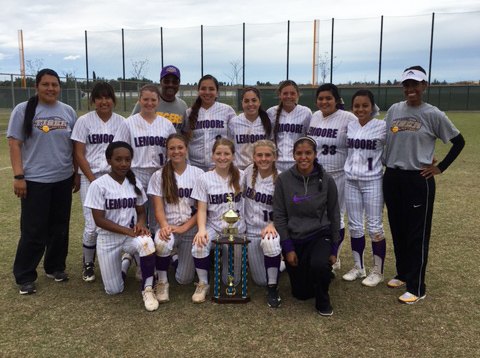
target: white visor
415 75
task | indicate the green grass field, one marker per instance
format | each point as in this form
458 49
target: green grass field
79 319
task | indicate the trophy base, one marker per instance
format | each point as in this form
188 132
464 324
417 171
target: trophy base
231 299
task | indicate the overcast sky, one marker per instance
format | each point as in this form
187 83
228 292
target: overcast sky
53 32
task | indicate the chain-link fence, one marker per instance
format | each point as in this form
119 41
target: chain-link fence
75 93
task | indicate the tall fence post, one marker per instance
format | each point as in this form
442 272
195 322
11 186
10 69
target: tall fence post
124 79
86 70
331 51
380 59
201 50
12 85
243 54
77 102
288 46
161 45
430 59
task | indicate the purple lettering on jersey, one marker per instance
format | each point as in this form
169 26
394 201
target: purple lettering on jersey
322 132
210 123
249 138
256 196
145 141
100 138
290 128
223 198
122 203
184 192
369 144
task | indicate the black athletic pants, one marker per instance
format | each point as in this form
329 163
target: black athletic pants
409 198
44 225
312 276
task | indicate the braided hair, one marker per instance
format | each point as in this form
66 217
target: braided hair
130 175
273 147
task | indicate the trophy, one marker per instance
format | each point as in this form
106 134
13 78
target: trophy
230 238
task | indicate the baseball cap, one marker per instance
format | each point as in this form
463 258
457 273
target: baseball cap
170 70
415 75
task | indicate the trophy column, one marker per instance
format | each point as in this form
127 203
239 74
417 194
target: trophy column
228 293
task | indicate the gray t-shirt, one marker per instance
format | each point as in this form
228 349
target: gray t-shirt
411 135
47 153
173 111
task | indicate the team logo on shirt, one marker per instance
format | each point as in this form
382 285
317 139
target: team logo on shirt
50 124
405 124
297 199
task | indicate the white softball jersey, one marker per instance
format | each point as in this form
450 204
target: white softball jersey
365 149
148 140
330 133
96 134
258 202
118 201
177 214
293 125
212 123
244 133
214 190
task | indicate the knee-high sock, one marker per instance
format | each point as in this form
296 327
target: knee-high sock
379 249
358 247
202 266
161 264
88 253
272 266
147 264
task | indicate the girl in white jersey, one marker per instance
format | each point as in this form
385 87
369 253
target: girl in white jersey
212 192
264 248
91 135
170 189
207 120
363 187
117 208
252 125
147 133
328 128
290 120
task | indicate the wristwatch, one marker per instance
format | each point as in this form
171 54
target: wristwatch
19 177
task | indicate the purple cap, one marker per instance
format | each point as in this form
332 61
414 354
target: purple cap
170 70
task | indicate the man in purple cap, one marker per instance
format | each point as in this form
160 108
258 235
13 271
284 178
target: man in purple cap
169 106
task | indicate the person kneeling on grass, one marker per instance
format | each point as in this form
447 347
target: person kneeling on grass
307 217
117 207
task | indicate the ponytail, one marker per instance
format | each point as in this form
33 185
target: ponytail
169 184
277 122
234 178
266 123
132 180
29 115
193 117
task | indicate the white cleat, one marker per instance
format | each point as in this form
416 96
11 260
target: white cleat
354 273
201 292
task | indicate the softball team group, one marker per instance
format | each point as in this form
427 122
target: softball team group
154 186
